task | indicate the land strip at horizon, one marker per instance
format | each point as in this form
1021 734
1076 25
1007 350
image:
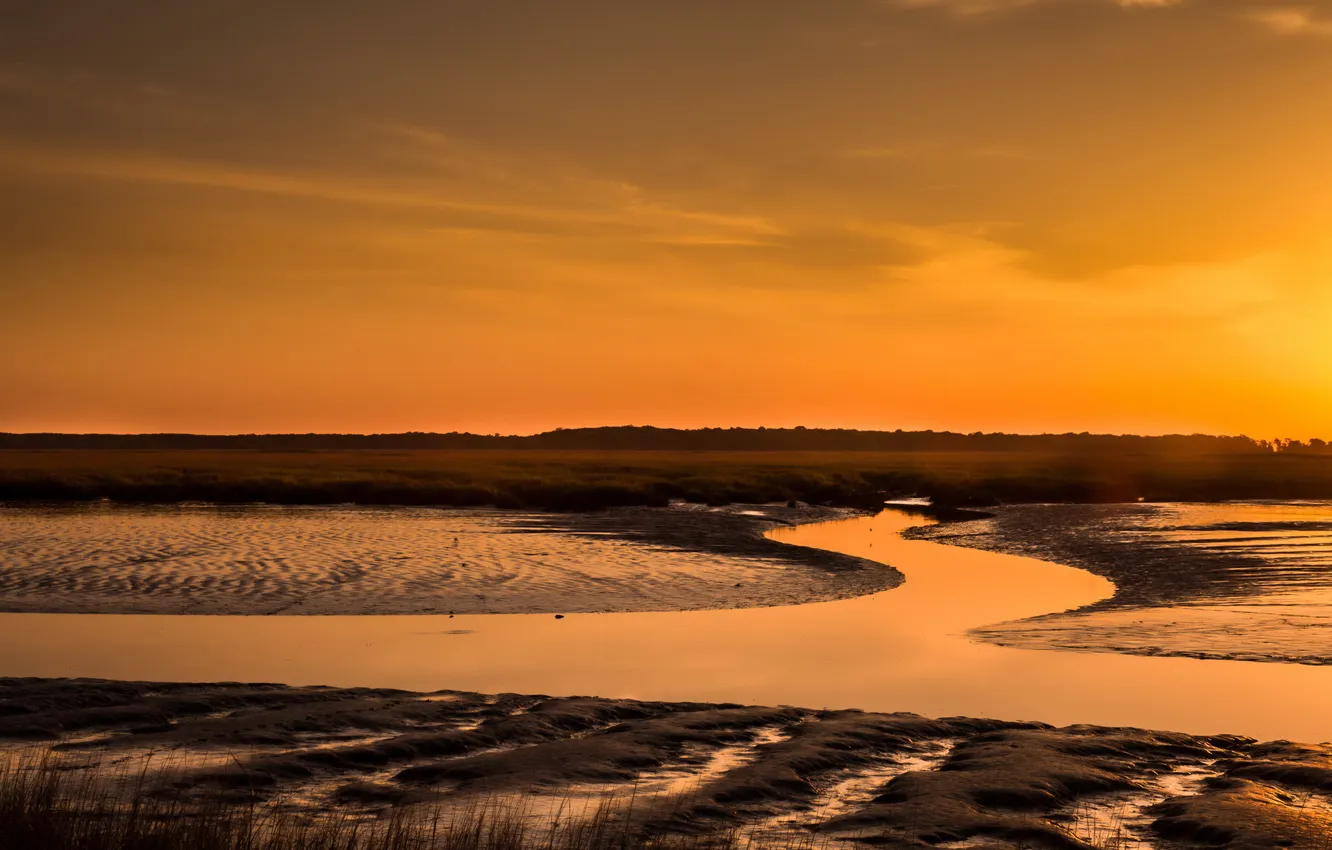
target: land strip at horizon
564 480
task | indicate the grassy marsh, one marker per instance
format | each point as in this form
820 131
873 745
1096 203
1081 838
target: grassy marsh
583 480
45 805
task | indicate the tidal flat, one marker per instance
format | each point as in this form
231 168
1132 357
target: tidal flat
917 646
102 558
1237 581
777 776
693 691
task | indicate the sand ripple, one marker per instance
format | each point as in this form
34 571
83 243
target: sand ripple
346 560
1243 581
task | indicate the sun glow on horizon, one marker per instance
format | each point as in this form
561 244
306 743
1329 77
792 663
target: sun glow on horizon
1004 216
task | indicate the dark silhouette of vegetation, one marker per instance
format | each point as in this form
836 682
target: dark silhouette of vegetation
1194 469
646 438
47 806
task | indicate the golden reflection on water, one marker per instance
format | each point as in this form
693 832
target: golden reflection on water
1291 537
901 650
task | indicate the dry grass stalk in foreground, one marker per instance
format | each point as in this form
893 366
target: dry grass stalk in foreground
49 806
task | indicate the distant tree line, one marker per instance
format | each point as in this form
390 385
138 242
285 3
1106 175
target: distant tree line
647 438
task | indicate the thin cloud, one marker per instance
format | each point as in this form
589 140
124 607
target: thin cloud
1292 20
537 176
937 153
966 8
979 8
86 91
876 153
637 212
848 247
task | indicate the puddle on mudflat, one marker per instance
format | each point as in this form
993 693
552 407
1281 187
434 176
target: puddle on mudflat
662 790
1122 821
848 791
1186 779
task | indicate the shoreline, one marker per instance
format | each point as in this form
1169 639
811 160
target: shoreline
880 651
1174 598
770 770
347 561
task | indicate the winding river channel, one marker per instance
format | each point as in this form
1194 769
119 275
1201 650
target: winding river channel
905 649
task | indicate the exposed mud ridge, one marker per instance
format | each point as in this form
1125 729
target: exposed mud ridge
897 780
1245 581
204 559
1148 570
734 531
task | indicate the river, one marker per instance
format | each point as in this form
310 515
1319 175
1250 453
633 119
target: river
904 649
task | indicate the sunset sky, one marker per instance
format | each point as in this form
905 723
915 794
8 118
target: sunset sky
511 215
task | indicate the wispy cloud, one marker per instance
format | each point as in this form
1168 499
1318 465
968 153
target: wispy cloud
533 175
876 153
1293 20
702 235
826 247
965 8
85 90
953 152
651 218
977 8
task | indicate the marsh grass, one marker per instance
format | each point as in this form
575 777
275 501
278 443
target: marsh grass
586 480
49 804
1107 826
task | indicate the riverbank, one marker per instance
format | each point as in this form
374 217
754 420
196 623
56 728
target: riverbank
215 560
774 772
1236 581
904 649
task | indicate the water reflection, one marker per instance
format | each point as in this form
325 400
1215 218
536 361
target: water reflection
1244 581
904 649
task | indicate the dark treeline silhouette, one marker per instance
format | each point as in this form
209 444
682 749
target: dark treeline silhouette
589 468
646 438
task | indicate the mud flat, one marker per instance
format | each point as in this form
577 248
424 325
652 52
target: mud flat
896 779
905 649
1236 581
204 559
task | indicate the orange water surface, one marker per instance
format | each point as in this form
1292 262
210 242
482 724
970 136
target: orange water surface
900 650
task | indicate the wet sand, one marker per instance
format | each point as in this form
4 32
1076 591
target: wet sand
1232 581
1235 581
905 649
202 559
899 779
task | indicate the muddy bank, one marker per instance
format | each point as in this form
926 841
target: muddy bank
893 779
201 559
1239 581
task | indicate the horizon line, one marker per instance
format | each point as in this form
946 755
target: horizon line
624 427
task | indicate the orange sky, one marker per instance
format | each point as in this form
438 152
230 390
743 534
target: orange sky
510 215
